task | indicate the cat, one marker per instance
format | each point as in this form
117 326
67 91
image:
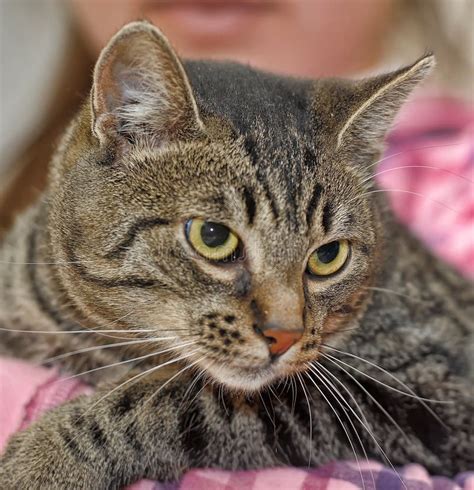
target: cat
211 255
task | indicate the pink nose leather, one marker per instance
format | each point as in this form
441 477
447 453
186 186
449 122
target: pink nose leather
281 340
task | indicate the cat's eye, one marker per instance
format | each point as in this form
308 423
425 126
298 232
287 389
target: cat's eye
213 241
328 259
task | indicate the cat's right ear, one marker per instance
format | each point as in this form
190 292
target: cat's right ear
141 92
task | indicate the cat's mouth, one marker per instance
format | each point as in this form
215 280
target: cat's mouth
247 380
250 378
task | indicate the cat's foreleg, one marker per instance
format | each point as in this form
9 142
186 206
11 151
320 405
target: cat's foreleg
100 441
114 438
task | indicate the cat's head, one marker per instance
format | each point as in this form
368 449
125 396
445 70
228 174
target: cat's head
224 209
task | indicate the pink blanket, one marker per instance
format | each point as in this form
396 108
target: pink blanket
429 168
26 391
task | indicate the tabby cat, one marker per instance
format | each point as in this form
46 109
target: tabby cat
213 255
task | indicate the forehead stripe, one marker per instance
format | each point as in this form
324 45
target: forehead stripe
250 205
327 217
313 203
132 233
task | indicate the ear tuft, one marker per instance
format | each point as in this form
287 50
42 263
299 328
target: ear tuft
141 91
376 102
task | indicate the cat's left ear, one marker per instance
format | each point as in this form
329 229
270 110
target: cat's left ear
360 113
140 90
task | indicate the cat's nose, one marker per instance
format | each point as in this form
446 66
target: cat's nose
279 339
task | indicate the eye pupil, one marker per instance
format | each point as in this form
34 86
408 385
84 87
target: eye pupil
214 234
213 241
327 253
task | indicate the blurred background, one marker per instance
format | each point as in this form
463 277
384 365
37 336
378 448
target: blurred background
48 48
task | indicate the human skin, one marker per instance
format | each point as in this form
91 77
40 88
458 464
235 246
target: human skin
311 38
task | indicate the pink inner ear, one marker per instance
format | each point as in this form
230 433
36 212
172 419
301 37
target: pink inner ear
107 85
141 91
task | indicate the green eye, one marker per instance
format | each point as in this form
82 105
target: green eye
328 258
211 240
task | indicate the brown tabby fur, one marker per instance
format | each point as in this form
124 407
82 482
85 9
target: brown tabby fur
286 164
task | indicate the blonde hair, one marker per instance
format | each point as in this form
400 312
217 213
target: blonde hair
444 27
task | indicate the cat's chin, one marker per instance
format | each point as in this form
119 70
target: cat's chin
245 380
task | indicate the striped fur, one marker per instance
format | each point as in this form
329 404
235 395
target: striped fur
280 161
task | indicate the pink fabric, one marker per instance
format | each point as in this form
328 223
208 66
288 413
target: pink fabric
268 479
430 163
26 391
333 476
429 166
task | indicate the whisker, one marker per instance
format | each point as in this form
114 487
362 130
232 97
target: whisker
341 423
310 457
416 166
411 393
103 331
268 413
132 380
135 378
410 150
367 429
58 332
342 330
108 335
120 318
273 412
169 349
171 329
272 391
294 392
403 191
199 391
181 371
109 324
105 346
364 418
391 291
361 386
285 384
6 262
191 386
222 399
